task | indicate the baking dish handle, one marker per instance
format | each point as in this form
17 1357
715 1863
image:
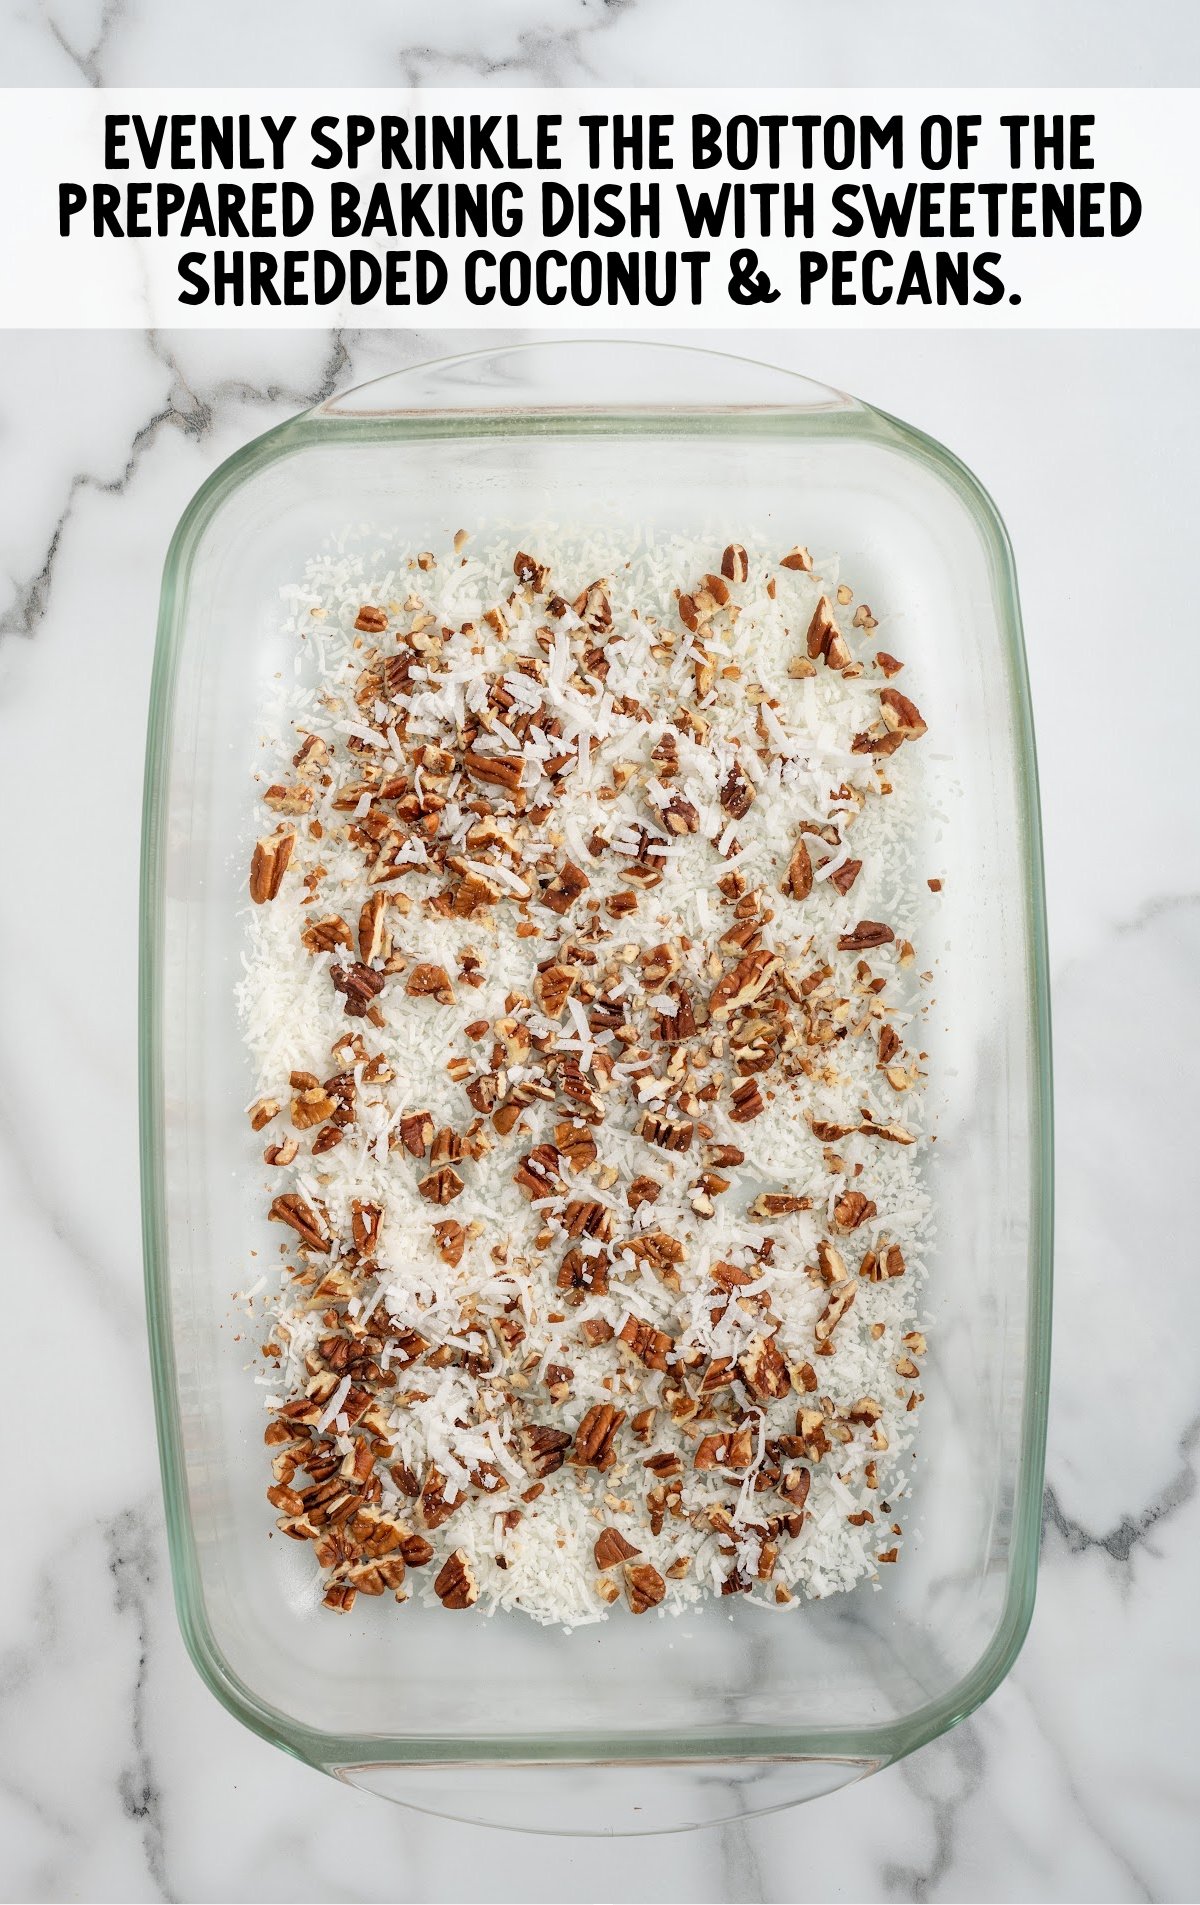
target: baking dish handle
581 375
594 1800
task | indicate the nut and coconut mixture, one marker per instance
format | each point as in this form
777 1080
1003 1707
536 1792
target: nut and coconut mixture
580 986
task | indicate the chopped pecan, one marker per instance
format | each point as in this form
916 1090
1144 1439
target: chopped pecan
852 1209
499 770
747 1102
416 1132
596 1331
649 1345
361 986
798 880
322 935
778 1204
372 940
451 1240
670 1134
644 1586
542 1448
538 1174
283 799
262 1112
576 1144
566 886
371 620
737 793
269 863
834 1311
643 1190
868 933
428 981
794 1487
745 982
797 558
455 1584
532 573
735 564
732 1450
552 987
595 1436
680 816
900 715
611 1547
292 1209
441 1186
764 1371
845 875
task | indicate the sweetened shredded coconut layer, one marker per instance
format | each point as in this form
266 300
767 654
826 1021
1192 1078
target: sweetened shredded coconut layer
580 984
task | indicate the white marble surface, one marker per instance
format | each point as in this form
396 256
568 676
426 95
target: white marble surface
120 1777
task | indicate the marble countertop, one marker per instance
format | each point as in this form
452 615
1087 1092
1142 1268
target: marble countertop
120 1776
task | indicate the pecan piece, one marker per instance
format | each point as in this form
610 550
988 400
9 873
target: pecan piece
371 620
416 1133
269 863
576 1144
322 935
794 1487
455 1584
432 1506
649 1345
530 572
262 1112
737 794
543 1448
764 1371
427 981
852 1209
868 933
643 1190
778 1204
552 987
595 1436
735 564
612 1547
566 886
441 1186
284 799
680 816
745 982
644 1586
670 1134
900 715
451 1241
371 937
845 876
747 1102
291 1209
797 558
834 1311
361 986
500 770
734 1450
798 880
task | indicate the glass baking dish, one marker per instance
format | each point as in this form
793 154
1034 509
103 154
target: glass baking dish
651 1724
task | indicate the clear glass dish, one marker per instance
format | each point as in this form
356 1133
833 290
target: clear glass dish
654 1724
